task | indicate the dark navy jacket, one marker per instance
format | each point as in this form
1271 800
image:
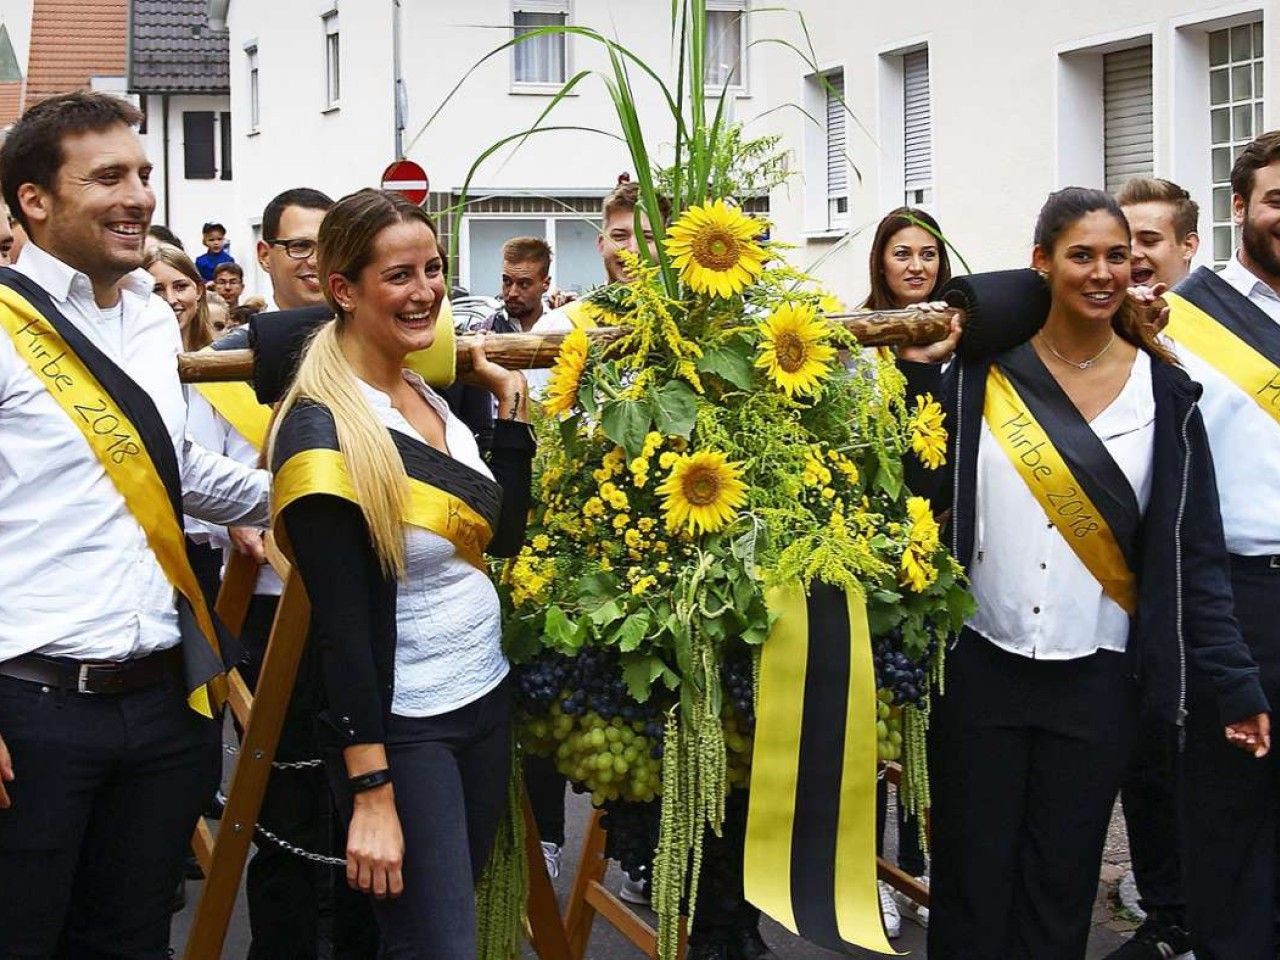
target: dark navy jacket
1184 621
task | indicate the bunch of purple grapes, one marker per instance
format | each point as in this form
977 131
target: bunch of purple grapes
737 677
906 679
632 835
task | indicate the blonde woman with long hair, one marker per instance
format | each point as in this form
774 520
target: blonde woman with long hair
387 506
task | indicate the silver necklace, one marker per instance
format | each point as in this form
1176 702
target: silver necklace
1080 364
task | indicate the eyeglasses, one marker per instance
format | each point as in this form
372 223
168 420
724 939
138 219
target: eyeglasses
297 249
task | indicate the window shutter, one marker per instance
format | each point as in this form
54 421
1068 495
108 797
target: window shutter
837 165
917 122
197 136
225 128
1127 124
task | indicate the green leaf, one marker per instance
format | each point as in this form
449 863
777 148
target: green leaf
607 613
562 632
626 422
675 408
597 588
639 673
587 397
730 361
633 631
961 605
889 475
570 438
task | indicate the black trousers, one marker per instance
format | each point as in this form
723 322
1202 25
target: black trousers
1026 759
295 905
451 774
1231 801
1150 803
723 913
545 786
107 791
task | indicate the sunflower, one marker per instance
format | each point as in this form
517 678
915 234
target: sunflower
792 351
703 492
928 435
714 248
917 570
566 375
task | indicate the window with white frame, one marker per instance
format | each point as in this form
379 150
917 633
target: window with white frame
1236 89
255 113
837 156
725 46
917 129
543 59
332 60
1127 126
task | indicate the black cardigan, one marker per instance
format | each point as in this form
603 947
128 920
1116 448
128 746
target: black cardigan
353 603
1184 617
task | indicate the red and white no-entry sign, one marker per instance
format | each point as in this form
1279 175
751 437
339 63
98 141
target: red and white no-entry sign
407 179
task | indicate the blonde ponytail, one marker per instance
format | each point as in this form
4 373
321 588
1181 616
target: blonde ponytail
373 463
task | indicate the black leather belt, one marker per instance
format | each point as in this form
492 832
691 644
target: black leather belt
94 676
1256 563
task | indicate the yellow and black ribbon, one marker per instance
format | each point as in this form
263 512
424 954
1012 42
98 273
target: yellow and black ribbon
811 846
1068 470
444 496
1229 332
126 433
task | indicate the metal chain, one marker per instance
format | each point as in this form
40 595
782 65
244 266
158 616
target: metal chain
286 845
232 750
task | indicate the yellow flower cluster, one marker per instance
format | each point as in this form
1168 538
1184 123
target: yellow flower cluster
918 571
639 467
529 577
928 435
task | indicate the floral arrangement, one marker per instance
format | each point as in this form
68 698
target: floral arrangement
718 447
732 439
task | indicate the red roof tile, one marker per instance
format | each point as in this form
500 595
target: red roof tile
10 101
73 41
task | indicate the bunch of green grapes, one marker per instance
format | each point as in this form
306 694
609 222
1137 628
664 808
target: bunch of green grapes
738 741
888 727
613 759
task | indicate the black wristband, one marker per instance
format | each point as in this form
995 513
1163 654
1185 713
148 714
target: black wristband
370 780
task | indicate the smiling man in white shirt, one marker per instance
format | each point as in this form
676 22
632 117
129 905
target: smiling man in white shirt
109 659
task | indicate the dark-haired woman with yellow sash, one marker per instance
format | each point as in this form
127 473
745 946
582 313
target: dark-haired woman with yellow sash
387 508
1083 505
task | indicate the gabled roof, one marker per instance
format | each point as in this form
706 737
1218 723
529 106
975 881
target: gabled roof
173 50
10 69
72 42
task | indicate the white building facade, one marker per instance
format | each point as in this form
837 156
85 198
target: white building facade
315 103
977 111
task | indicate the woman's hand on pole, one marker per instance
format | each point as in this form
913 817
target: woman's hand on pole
508 386
1253 734
939 352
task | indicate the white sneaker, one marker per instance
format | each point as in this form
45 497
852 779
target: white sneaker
551 854
889 911
911 909
634 891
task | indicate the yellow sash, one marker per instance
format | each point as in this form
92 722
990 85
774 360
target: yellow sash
237 403
116 443
1059 494
320 470
1217 346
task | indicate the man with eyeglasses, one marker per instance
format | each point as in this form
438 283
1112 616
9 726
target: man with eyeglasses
287 250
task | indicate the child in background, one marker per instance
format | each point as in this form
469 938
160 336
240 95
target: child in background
214 237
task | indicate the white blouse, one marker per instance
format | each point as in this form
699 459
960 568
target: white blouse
448 620
1035 597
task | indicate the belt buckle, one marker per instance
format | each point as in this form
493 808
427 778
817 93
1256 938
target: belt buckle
82 679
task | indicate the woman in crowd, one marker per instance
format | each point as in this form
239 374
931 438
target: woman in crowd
1083 505
387 507
178 283
909 263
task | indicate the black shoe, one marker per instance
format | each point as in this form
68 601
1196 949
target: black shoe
1156 939
749 945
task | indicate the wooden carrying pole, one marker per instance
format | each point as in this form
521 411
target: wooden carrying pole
528 351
